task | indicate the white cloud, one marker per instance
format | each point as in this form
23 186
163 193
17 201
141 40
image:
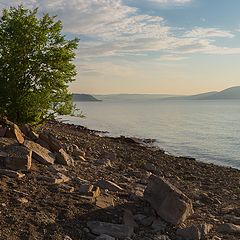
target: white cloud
208 33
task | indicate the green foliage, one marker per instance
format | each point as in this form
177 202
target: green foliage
35 66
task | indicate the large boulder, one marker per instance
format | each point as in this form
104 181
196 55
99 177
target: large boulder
169 202
39 153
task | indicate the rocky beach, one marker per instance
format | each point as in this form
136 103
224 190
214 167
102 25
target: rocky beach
66 182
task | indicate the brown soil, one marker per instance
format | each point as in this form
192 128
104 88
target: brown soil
52 214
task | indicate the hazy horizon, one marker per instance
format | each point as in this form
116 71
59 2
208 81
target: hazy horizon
122 93
180 47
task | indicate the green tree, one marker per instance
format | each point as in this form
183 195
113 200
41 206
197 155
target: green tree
35 66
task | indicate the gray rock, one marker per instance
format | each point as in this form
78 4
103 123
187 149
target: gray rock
105 237
168 201
114 230
111 186
228 228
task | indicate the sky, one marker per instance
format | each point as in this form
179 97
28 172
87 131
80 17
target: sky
150 46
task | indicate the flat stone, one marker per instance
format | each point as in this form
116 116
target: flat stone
111 186
229 228
114 230
11 173
19 158
39 153
63 158
104 202
169 202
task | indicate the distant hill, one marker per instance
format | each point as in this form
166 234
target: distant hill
77 97
133 97
229 93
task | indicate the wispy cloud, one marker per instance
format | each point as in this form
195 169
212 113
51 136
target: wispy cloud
200 32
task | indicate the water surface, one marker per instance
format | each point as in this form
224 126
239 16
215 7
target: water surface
206 130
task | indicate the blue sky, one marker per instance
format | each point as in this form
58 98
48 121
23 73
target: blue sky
150 46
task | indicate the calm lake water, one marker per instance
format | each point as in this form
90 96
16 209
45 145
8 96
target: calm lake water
206 130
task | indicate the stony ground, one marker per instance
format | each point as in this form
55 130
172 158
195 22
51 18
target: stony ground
31 208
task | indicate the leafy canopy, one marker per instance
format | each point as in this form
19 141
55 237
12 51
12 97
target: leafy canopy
35 66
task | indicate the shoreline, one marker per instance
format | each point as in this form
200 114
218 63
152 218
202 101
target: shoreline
34 208
153 143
